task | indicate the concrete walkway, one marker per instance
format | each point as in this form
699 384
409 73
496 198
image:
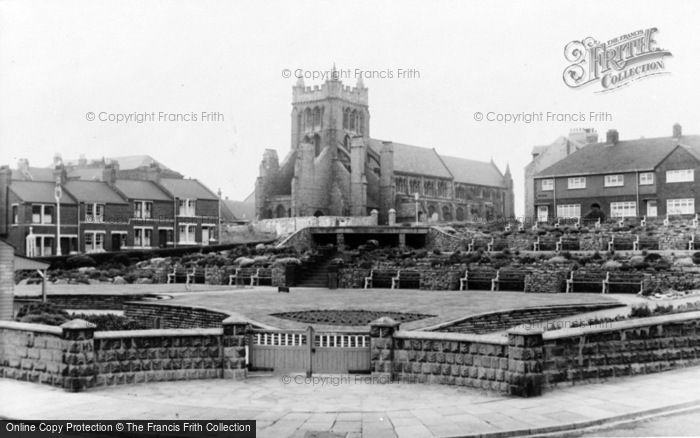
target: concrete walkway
290 406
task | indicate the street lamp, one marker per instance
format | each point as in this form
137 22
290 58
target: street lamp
416 196
57 194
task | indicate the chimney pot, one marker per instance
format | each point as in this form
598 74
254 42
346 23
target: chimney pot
612 136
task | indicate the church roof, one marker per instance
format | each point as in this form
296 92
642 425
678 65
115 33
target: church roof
474 172
419 160
187 189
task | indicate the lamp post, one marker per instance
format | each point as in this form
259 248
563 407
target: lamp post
57 194
416 196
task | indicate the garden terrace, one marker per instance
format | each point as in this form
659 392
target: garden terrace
354 236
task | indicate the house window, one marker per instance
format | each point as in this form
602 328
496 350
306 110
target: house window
646 178
577 182
682 175
187 233
94 213
15 214
547 185
614 180
143 209
623 209
680 206
42 214
186 207
94 241
569 211
142 237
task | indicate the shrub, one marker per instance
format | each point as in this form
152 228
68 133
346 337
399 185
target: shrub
79 261
640 311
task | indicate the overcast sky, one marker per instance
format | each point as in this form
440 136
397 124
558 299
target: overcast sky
61 60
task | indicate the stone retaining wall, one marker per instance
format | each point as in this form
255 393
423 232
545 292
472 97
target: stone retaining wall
641 346
504 320
530 360
173 316
156 355
32 352
75 357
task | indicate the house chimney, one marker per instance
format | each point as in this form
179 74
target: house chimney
612 137
677 130
59 170
584 136
82 161
109 172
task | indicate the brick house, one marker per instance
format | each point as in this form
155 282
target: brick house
645 177
103 216
334 167
196 211
32 222
104 207
151 214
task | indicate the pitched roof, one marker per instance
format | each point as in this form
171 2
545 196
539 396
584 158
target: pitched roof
38 191
474 172
625 156
415 159
33 174
237 210
426 161
141 189
187 189
93 191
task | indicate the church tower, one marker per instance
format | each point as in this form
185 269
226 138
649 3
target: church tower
325 120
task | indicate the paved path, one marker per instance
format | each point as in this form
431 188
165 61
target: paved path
356 409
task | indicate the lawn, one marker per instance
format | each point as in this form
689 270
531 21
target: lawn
259 303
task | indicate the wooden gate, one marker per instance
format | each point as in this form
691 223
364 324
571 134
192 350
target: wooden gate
289 351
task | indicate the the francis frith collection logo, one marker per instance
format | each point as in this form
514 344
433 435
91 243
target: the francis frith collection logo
614 63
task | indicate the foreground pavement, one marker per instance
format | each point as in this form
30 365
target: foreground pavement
290 406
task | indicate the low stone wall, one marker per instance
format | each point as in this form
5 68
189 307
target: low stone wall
85 301
531 360
504 320
427 358
73 356
32 352
155 355
639 346
164 315
493 363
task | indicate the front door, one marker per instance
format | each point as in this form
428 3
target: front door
162 238
542 213
651 209
116 242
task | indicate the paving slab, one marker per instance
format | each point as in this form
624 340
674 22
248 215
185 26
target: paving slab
361 410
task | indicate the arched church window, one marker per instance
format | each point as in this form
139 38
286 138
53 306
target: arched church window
317 117
345 118
353 116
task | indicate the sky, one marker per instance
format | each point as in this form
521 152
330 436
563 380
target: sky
61 61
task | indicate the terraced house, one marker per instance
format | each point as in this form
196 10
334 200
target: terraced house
652 177
104 207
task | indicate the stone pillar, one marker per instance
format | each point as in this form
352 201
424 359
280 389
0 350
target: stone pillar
525 361
234 341
402 240
375 217
7 280
381 333
80 369
392 217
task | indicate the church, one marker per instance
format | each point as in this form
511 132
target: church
334 167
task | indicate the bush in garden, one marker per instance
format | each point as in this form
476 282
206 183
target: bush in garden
79 261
